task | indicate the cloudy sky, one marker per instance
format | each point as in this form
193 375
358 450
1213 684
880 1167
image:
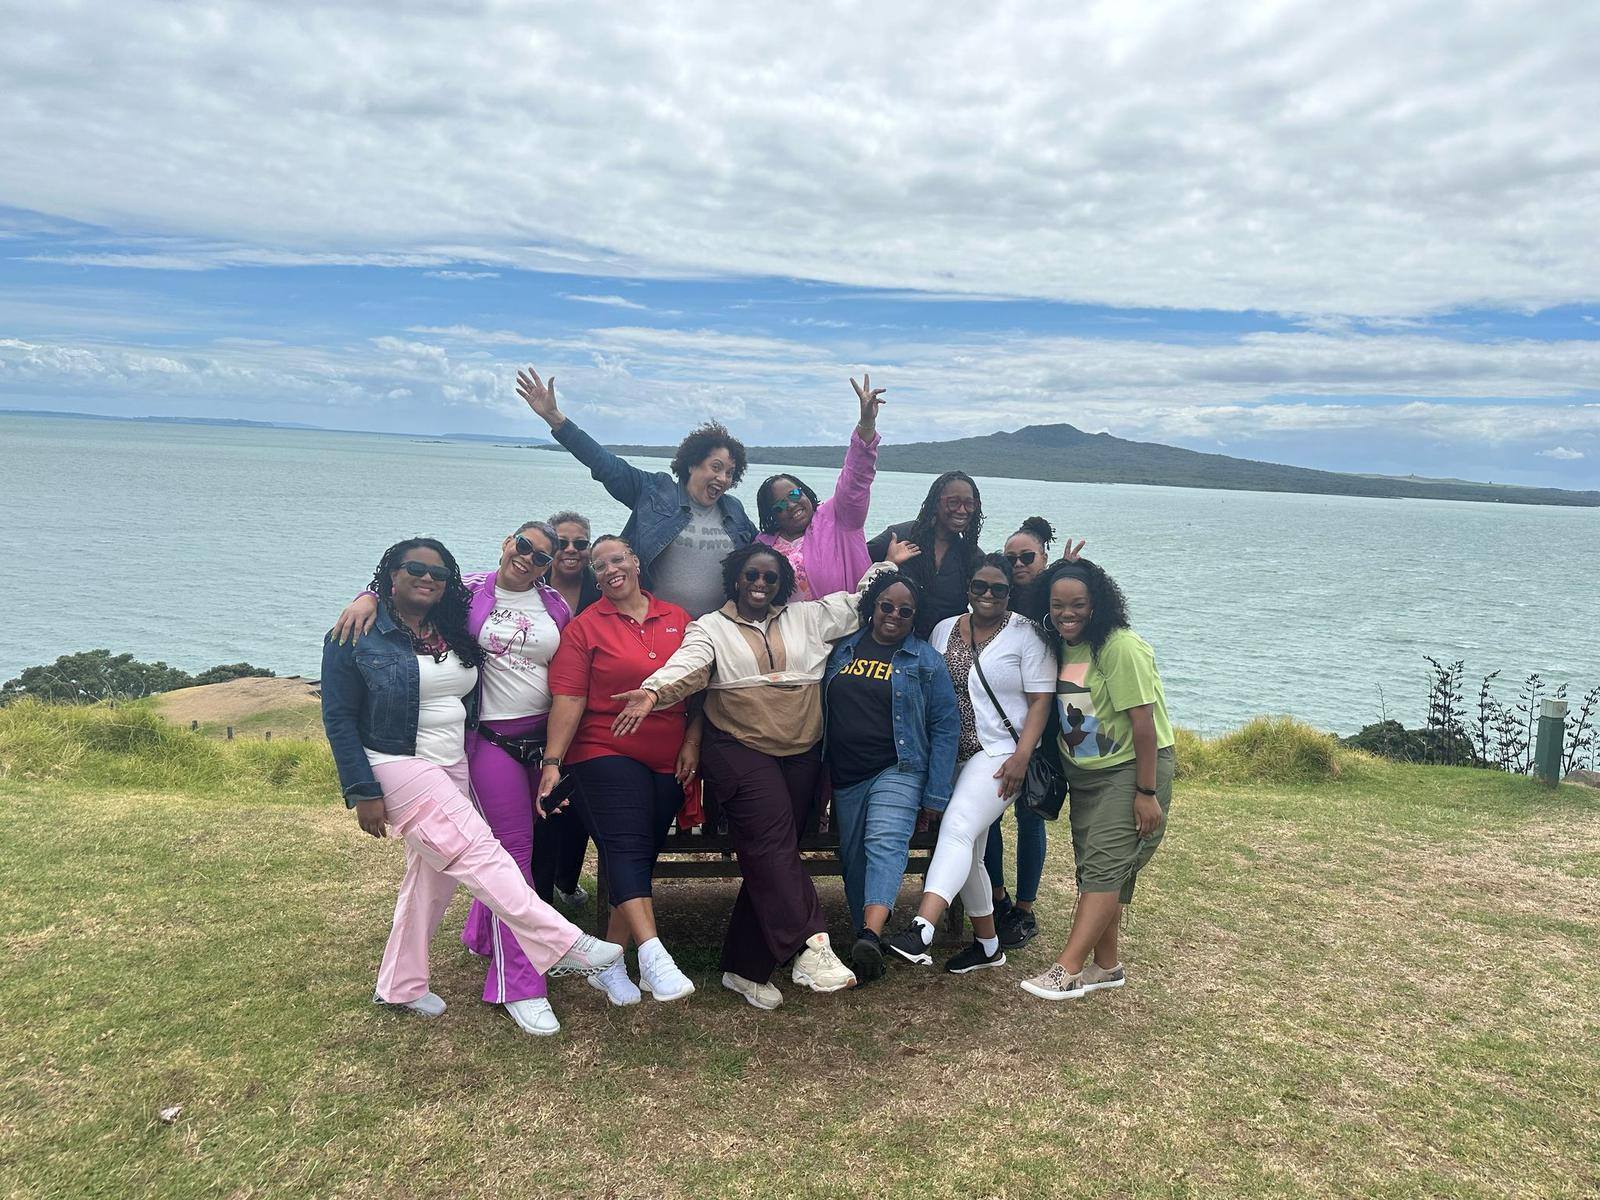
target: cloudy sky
1355 236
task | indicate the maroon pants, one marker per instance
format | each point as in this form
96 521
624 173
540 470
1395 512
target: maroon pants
766 801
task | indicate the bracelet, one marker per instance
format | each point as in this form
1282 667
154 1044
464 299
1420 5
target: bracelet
1143 791
552 760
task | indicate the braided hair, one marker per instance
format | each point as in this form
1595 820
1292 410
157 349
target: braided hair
923 528
1105 597
767 507
449 612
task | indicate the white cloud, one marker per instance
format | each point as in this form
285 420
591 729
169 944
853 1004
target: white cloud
1562 454
1360 159
462 275
608 301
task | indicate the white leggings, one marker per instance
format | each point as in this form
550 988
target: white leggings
964 832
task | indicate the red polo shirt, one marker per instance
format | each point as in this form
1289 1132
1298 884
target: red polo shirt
604 652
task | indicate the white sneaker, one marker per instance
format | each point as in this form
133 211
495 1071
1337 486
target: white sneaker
588 956
659 975
819 968
614 982
762 995
535 1016
576 898
425 1005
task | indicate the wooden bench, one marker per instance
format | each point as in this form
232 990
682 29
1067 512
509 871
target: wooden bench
707 852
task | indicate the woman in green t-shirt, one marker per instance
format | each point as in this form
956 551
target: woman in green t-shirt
1116 750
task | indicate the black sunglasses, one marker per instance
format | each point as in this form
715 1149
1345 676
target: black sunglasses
1025 558
905 611
793 496
540 558
982 587
770 578
418 569
581 544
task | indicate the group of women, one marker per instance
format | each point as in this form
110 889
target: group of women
496 721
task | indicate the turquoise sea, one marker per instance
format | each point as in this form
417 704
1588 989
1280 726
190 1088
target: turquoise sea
203 545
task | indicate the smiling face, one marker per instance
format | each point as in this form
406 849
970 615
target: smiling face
710 477
518 569
957 504
1019 548
988 606
891 627
1070 609
756 584
417 593
616 570
794 507
570 561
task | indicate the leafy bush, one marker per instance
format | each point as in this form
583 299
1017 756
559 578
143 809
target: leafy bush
94 675
1264 750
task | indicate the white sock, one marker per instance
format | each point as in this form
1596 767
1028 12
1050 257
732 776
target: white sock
990 945
651 948
925 929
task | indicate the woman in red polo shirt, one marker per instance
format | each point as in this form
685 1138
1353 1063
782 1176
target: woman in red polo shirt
628 789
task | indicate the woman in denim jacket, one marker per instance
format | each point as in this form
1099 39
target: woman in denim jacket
890 744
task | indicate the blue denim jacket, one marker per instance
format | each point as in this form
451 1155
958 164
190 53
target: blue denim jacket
658 504
927 726
369 698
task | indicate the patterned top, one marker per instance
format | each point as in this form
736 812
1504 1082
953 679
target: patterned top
958 658
795 552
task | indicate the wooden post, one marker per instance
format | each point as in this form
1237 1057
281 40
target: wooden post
1548 746
269 735
230 733
194 726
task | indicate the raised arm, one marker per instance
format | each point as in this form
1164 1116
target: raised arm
686 672
621 478
852 495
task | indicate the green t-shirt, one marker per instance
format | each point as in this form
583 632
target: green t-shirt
1093 695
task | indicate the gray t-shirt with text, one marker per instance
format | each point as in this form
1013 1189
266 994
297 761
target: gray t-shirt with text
689 571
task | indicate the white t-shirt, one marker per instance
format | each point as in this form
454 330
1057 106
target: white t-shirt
441 716
519 638
1015 661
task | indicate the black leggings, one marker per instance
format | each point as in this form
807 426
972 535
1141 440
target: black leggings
628 809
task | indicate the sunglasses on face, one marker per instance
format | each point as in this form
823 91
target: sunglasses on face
1025 558
982 587
524 546
418 569
770 578
904 611
787 502
578 544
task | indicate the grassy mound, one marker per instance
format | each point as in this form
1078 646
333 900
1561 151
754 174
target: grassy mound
1269 750
133 747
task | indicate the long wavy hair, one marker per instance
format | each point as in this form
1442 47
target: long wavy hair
922 529
1110 606
449 612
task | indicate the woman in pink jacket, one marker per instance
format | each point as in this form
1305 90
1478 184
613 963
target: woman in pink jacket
825 541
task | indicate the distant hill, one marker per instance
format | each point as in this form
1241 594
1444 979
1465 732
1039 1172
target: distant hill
1067 454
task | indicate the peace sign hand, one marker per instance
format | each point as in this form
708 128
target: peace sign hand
871 401
540 396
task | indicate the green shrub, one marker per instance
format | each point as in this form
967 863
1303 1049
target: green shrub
1264 750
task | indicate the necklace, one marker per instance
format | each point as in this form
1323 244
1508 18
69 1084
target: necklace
972 636
638 631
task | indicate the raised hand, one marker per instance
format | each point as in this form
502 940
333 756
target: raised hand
636 706
540 395
871 401
900 552
356 620
1069 552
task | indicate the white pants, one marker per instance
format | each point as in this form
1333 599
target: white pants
964 832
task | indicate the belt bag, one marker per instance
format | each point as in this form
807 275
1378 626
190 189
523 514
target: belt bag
527 749
1044 787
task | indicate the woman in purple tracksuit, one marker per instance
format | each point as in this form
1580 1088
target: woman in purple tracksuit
516 618
825 541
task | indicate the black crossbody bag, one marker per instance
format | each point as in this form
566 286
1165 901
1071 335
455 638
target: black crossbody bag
1044 788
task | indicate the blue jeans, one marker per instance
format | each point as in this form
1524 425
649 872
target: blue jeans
876 819
1031 840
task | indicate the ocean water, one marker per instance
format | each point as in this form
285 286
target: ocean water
201 545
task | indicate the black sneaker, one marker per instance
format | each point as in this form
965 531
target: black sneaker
1017 928
1004 907
908 945
973 957
866 956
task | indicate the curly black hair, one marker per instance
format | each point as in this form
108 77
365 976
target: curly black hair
1110 607
449 612
767 507
734 563
881 583
697 447
922 529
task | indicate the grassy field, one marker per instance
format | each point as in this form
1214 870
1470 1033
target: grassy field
1346 978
